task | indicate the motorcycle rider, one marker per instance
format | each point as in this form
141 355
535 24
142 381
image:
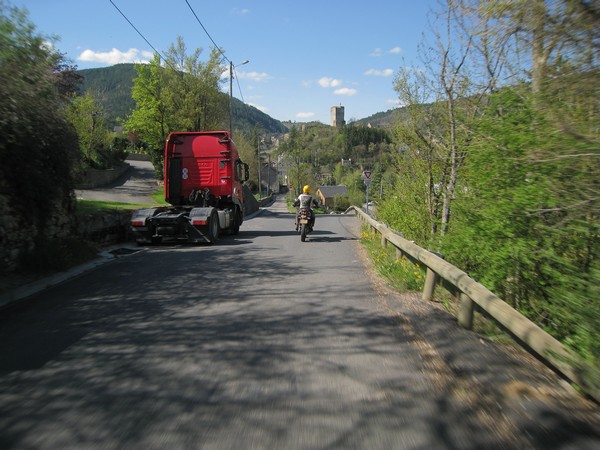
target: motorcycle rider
305 200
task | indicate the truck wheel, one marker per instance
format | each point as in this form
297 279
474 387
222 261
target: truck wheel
213 228
237 221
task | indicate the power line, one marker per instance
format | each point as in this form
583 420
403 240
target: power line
237 80
143 37
218 48
165 59
207 33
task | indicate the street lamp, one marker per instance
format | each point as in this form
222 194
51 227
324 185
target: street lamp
231 67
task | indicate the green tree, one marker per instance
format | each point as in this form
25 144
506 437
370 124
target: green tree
194 100
514 232
149 118
524 193
434 133
87 117
407 207
179 94
527 219
38 147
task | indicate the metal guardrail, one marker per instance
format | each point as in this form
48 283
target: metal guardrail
472 295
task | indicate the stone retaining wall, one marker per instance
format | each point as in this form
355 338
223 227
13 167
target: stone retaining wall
16 238
114 228
95 178
105 229
18 231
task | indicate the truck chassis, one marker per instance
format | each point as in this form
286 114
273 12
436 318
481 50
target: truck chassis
203 175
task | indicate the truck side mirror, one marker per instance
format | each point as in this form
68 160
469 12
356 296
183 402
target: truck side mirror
242 171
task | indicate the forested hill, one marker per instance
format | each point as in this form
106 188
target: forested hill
385 119
112 87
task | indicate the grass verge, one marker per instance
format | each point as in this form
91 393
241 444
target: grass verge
402 274
99 207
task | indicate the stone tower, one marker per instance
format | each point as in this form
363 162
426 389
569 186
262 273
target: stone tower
337 116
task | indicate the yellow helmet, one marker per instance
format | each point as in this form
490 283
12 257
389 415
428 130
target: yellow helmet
306 189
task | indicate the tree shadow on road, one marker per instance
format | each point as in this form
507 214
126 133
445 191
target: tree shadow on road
222 353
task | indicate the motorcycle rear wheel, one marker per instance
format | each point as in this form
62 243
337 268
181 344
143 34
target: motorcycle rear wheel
303 232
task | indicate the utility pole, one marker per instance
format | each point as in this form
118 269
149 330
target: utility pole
298 189
258 158
366 177
230 96
269 176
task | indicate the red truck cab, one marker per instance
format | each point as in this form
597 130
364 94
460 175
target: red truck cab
197 162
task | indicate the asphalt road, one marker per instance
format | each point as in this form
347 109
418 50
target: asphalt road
135 186
264 342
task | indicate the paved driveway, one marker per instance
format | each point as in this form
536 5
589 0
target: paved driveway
135 186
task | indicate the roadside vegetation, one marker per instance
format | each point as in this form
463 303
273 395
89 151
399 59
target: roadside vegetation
498 163
403 274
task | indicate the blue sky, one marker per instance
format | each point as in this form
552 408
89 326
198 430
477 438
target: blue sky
304 57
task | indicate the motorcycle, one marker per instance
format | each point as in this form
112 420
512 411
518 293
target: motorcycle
304 220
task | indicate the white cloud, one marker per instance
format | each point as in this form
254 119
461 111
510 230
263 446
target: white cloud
305 115
329 82
379 52
241 11
253 76
345 91
116 56
380 73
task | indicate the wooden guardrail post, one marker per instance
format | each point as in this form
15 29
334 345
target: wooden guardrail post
399 253
466 310
430 280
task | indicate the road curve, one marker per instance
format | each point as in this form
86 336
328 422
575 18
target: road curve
135 186
262 341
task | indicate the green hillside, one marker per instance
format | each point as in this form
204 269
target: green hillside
385 119
112 87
